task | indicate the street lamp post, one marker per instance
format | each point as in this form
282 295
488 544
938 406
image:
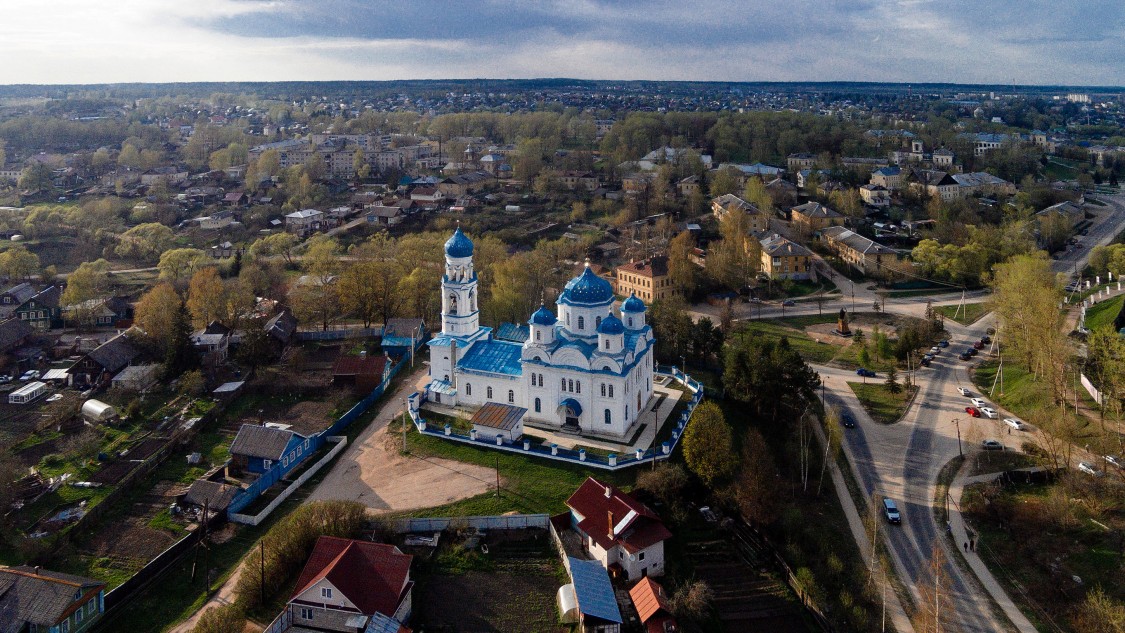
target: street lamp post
957 421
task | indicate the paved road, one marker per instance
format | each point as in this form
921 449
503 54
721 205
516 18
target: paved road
902 461
1109 222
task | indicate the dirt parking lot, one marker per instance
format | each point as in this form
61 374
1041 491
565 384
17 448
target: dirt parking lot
372 472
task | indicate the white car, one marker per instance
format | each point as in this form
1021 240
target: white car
988 412
1089 469
979 402
1116 460
964 392
935 350
1015 423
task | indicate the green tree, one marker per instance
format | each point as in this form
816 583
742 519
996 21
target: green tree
683 273
207 297
37 177
144 242
155 315
19 263
179 264
1026 294
277 244
892 383
89 281
723 182
756 488
756 194
180 355
770 376
709 445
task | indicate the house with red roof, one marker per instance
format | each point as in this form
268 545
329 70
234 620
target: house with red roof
350 585
652 607
623 534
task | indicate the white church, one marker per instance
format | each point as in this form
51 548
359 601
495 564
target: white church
581 370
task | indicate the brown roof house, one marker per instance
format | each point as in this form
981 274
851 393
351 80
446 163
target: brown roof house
361 373
36 600
351 586
103 363
648 279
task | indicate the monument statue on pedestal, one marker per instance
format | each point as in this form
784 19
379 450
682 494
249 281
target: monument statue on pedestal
842 324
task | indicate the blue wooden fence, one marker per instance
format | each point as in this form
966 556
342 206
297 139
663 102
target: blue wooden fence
581 457
283 466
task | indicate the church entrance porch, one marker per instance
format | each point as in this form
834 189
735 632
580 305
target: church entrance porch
571 412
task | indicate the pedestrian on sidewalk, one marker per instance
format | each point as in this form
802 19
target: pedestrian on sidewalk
973 545
966 547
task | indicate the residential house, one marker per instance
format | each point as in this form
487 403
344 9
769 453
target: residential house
304 222
813 216
782 192
281 327
350 586
866 256
103 312
723 204
361 373
103 362
34 600
986 142
170 175
13 333
385 216
688 186
430 196
652 607
783 259
589 600
890 177
400 333
637 183
759 170
799 161
875 196
13 297
806 175
936 184
42 311
942 158
583 180
236 199
256 448
463 184
983 183
647 279
212 343
224 250
621 533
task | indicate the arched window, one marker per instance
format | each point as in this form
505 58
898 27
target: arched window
608 417
570 384
626 413
563 381
453 303
537 335
468 389
490 393
603 389
581 322
630 321
578 387
511 396
607 343
611 391
538 405
597 322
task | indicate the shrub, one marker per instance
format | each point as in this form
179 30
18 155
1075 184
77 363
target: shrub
227 618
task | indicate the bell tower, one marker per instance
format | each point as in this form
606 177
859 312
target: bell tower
460 315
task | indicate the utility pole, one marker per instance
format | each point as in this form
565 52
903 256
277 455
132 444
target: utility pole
406 416
262 570
497 476
957 421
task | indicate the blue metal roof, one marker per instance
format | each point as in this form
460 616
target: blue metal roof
593 590
572 404
633 304
459 245
587 289
494 357
543 316
611 325
513 332
383 624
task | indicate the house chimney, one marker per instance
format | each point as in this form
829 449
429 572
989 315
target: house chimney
610 513
608 492
37 570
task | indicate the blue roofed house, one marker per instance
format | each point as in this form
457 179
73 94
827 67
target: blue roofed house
589 600
256 448
581 369
399 334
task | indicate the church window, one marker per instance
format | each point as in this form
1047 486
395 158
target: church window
581 322
538 405
511 396
608 417
563 380
607 343
630 321
490 393
603 389
597 321
468 389
537 335
570 384
453 303
578 387
611 391
626 412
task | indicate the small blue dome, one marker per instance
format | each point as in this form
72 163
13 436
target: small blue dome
611 325
543 316
588 288
459 245
633 304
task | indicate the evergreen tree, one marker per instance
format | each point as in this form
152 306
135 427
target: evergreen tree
180 356
892 380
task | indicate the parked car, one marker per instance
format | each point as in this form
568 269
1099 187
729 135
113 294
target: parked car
973 351
965 356
992 445
986 339
30 374
890 510
865 372
973 411
789 303
1089 469
989 413
55 397
979 402
927 356
978 345
1115 460
943 343
5 379
1015 423
925 362
847 420
964 392
935 350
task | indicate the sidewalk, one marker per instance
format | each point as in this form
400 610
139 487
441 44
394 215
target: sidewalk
980 570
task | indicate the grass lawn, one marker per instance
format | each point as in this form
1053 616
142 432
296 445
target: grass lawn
920 292
1022 393
968 315
1104 313
883 406
810 350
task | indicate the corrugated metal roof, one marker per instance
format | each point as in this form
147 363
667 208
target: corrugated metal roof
494 357
498 416
443 387
513 332
594 590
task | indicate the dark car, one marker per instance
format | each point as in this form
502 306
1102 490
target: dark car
788 303
986 339
847 420
943 343
865 372
973 411
925 362
973 351
978 345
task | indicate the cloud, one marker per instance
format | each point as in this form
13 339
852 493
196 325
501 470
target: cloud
972 41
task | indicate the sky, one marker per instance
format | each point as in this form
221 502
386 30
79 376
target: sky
1071 42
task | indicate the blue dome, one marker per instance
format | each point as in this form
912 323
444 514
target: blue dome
588 288
543 316
459 245
633 304
611 325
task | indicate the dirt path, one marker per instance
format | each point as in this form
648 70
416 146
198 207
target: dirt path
225 595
